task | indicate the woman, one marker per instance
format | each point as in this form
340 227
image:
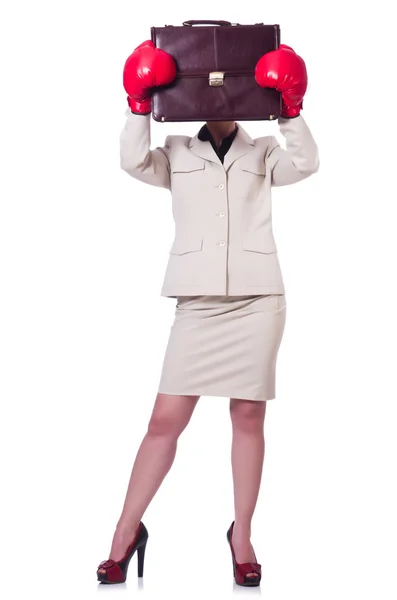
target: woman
224 272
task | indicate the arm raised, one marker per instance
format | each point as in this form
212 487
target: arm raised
299 160
146 68
136 157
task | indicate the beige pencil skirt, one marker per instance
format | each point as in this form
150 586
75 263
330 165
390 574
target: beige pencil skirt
224 346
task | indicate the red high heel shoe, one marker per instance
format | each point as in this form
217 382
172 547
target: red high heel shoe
241 570
116 571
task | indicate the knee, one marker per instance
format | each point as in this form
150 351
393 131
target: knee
166 423
247 415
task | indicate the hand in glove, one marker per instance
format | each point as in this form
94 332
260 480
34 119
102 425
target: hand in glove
147 67
285 71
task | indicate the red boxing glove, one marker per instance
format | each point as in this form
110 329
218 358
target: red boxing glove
147 67
285 71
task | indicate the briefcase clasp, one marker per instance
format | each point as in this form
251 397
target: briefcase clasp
216 78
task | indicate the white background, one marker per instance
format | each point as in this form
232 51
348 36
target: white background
84 329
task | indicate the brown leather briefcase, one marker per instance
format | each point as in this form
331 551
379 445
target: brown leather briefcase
215 72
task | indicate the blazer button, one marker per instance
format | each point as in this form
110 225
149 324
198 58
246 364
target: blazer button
221 186
222 243
221 214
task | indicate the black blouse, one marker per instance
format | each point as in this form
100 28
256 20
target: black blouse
204 135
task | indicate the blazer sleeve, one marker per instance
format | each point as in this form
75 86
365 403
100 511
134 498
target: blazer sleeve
299 160
136 157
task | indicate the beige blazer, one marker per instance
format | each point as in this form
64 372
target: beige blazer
224 242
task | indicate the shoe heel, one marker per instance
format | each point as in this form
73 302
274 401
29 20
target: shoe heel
141 558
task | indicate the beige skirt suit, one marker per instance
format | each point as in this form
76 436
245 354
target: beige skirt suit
223 267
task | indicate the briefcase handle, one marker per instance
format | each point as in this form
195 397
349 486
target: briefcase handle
222 23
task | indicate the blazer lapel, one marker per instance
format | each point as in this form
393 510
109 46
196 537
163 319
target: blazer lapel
203 149
242 144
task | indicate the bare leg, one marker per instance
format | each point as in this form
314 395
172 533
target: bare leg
248 448
154 459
